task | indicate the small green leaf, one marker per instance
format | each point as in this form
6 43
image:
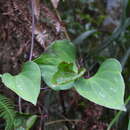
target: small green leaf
30 122
24 121
47 74
27 83
66 74
106 87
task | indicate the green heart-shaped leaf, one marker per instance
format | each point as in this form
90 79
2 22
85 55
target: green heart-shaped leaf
106 87
59 52
27 83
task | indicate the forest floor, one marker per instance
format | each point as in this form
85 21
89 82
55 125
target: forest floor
56 110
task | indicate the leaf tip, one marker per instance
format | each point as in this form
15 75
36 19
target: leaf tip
34 103
124 108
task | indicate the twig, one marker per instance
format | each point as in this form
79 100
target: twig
33 28
20 105
46 88
60 121
65 30
124 59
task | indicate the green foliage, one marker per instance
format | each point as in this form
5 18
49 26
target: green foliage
30 122
27 83
60 72
60 52
129 125
66 74
7 112
83 36
24 121
58 66
15 120
47 74
106 87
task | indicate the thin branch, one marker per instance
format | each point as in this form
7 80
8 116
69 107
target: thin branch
20 105
125 58
65 30
33 28
60 121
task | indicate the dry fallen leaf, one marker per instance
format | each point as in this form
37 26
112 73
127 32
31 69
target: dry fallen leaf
41 35
55 3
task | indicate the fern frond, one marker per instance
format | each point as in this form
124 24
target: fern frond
7 112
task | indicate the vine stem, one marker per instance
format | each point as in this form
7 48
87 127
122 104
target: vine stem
20 105
32 46
59 121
